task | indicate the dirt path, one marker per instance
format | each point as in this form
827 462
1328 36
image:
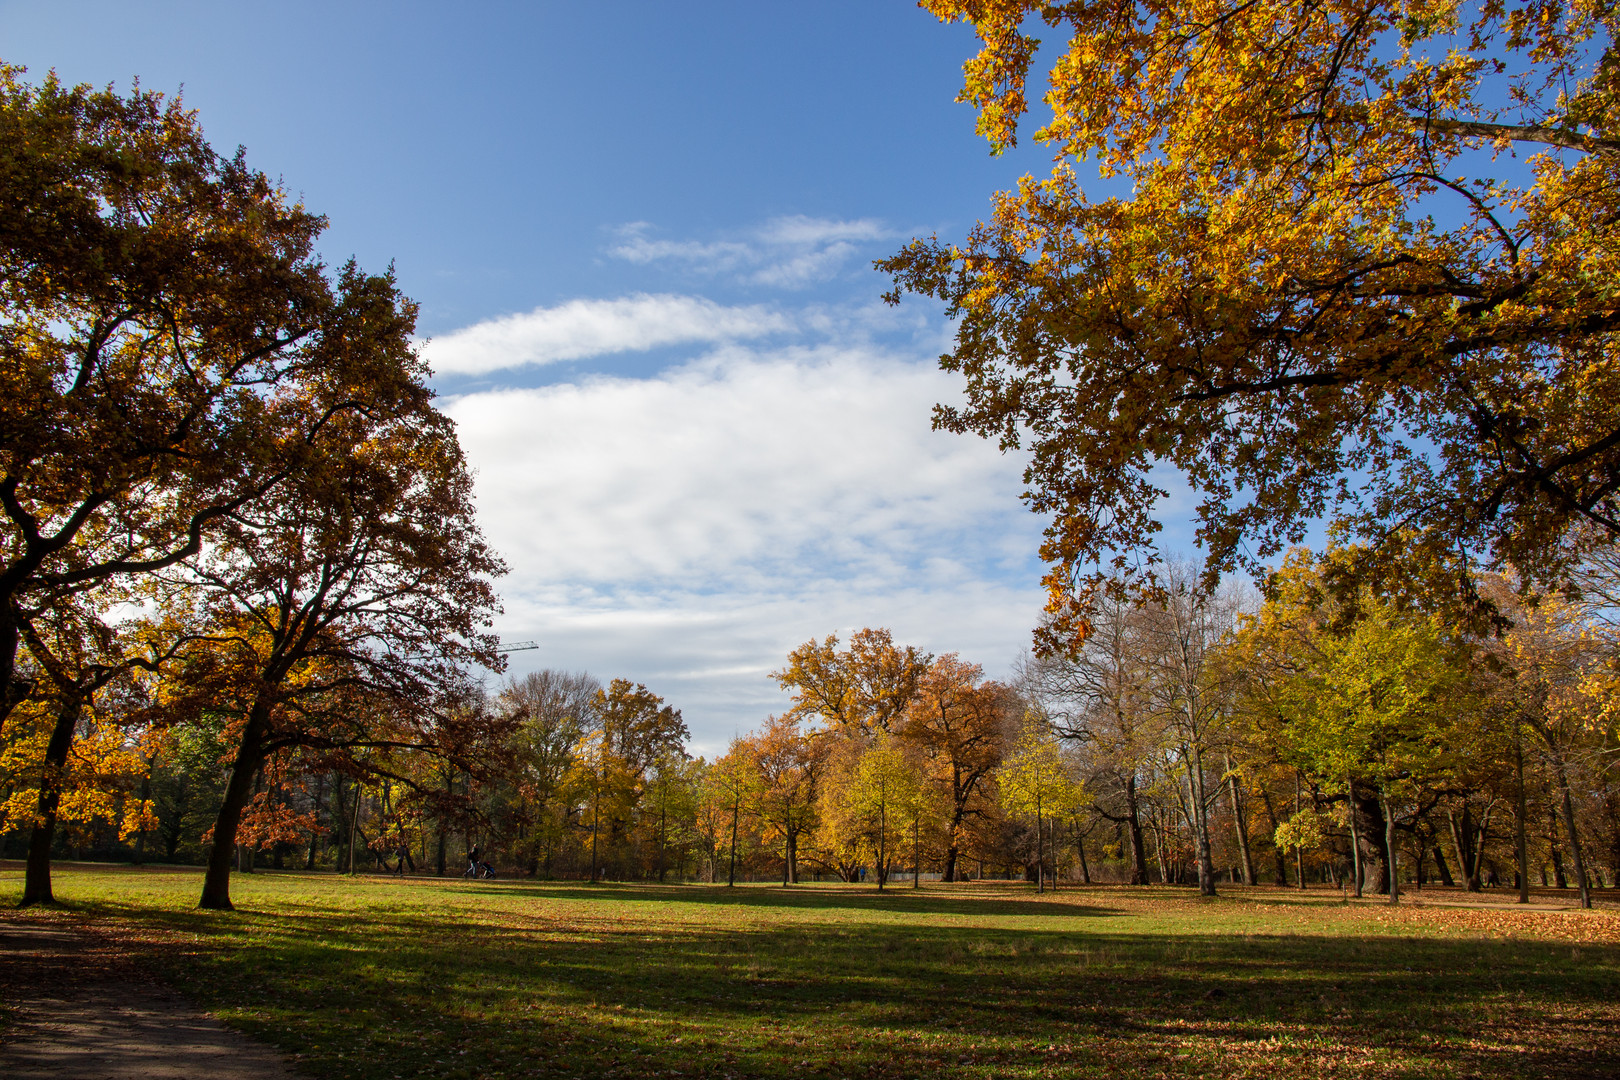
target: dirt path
84 1011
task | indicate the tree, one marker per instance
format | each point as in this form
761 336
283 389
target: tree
1036 782
341 614
551 710
672 792
788 764
863 689
1185 627
80 657
879 801
1365 696
958 723
1099 697
1562 687
1311 303
639 727
604 780
730 786
169 344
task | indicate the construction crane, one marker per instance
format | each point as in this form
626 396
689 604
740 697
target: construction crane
516 646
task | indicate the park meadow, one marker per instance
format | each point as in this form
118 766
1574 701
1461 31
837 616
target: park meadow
378 977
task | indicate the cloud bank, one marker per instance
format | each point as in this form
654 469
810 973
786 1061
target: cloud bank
688 529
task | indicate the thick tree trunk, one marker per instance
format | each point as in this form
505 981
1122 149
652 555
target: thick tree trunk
1462 838
216 893
37 876
1441 867
1085 871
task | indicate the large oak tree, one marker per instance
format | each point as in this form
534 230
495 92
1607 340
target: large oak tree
170 345
1364 270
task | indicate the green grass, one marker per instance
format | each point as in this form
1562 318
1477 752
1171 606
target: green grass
377 978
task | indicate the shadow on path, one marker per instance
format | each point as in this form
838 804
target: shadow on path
82 1012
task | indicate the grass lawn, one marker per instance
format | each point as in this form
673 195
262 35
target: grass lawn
378 978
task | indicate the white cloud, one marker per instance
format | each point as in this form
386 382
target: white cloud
585 328
787 252
687 529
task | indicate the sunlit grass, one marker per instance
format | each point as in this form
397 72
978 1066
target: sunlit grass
374 977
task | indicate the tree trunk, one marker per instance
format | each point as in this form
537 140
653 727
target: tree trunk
1441 867
145 797
731 869
1040 852
1355 837
916 852
1198 790
1574 837
1158 843
1521 848
354 825
1559 880
1085 871
315 833
1462 838
883 836
1240 824
1271 812
596 822
1299 852
12 689
216 893
663 837
37 877
1394 852
1133 820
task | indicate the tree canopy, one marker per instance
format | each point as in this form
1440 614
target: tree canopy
1335 290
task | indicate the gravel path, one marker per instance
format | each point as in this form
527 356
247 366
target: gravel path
83 1011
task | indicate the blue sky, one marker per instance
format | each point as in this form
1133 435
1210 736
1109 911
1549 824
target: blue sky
641 234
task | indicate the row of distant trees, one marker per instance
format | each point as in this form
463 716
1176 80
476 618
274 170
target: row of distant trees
1300 735
1308 733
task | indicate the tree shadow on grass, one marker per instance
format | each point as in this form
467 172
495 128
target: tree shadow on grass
956 900
407 992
